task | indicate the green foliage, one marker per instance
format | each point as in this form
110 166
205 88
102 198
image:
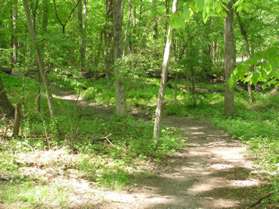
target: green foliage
115 178
265 68
8 167
31 196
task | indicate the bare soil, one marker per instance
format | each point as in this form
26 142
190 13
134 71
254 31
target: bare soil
213 171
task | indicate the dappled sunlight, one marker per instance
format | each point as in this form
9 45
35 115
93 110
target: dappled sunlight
70 97
197 133
221 166
233 154
94 116
209 173
195 128
199 152
141 198
244 183
46 158
221 203
207 184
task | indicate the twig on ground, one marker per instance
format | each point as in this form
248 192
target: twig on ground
107 139
260 200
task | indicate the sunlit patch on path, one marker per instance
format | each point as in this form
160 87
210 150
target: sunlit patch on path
213 171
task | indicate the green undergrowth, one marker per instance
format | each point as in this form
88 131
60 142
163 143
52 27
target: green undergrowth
108 150
29 194
111 150
140 91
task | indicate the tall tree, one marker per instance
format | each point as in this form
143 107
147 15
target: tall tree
14 44
108 38
118 53
164 75
39 58
45 17
130 27
82 15
155 26
229 59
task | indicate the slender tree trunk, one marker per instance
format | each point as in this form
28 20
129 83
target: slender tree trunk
244 35
82 12
5 105
34 11
43 47
108 38
45 18
230 57
18 118
250 93
164 75
130 27
118 50
155 27
14 44
39 58
167 10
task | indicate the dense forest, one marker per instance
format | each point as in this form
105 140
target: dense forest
147 104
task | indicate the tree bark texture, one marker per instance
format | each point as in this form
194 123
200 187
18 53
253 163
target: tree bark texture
118 53
5 105
229 59
39 58
164 75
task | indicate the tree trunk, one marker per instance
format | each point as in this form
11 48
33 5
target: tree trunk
82 12
130 27
117 35
155 26
108 38
39 58
14 44
164 75
167 10
43 47
5 105
45 17
18 118
230 59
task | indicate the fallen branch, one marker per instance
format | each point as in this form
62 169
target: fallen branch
260 200
104 138
107 139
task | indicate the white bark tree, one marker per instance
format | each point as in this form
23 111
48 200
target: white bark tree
164 75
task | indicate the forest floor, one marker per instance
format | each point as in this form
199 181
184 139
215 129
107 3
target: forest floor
213 171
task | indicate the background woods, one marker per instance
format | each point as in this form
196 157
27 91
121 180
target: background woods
108 81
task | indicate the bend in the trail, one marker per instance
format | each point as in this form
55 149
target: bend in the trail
213 171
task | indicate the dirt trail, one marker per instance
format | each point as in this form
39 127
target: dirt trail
213 171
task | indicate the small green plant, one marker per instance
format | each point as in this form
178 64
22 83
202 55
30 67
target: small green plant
116 178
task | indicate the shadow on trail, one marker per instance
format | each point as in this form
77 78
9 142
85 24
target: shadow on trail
213 171
230 188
